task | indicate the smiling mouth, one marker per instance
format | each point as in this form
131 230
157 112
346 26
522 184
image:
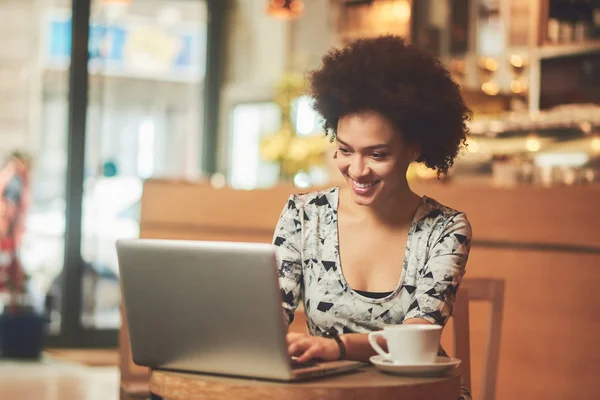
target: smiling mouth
364 185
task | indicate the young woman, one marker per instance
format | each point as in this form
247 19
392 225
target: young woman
373 252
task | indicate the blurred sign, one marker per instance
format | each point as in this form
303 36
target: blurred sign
136 49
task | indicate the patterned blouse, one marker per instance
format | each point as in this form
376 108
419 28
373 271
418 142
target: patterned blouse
306 235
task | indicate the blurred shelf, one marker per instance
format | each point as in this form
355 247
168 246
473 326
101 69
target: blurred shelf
567 50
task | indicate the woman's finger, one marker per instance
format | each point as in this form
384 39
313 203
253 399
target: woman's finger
313 351
299 346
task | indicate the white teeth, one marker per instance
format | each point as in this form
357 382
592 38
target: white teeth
363 185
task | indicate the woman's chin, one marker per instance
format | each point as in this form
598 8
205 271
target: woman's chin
362 201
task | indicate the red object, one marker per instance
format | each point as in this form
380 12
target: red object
10 267
11 215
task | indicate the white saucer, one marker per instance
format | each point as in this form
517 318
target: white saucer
439 366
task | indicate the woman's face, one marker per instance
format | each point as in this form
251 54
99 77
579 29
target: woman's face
372 157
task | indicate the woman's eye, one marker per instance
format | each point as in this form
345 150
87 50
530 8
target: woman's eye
378 156
344 151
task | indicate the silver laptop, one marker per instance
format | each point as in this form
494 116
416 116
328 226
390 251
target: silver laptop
209 307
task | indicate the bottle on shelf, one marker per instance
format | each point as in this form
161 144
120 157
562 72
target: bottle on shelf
573 21
552 35
582 26
595 19
567 20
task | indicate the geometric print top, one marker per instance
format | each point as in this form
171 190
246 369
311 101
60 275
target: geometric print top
306 236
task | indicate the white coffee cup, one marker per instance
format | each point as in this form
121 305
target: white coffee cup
408 344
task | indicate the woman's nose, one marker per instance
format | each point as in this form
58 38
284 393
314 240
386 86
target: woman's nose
358 168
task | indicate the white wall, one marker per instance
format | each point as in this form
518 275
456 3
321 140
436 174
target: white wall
19 77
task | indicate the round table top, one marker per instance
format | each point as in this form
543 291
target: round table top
365 383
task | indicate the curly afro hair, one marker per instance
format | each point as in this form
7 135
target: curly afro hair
403 83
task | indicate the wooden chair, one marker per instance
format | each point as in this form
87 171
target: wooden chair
479 289
461 339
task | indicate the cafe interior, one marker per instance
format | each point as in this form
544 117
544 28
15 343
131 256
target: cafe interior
190 119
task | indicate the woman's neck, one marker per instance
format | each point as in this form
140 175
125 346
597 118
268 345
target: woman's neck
398 208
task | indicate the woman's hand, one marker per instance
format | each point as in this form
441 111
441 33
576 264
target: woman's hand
307 347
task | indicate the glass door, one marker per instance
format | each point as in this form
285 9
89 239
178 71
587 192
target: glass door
144 120
34 92
102 94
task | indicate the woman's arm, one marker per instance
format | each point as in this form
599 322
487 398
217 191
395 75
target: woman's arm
288 240
439 279
357 345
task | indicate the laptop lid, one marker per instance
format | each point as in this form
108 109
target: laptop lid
212 307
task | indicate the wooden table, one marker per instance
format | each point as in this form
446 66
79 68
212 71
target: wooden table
367 383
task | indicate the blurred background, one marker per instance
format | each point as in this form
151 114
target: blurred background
106 94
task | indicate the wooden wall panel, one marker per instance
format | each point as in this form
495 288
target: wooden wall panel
560 215
188 206
551 326
565 216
